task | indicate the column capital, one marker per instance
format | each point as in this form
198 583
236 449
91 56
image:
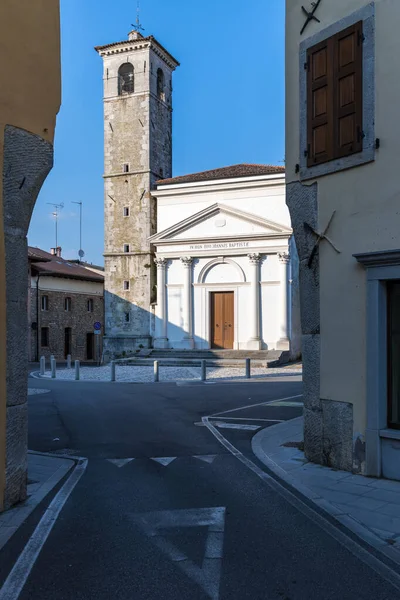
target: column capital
160 262
284 257
186 261
254 258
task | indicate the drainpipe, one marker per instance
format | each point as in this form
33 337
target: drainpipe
37 318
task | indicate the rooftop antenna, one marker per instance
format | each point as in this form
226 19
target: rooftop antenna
138 26
81 253
55 214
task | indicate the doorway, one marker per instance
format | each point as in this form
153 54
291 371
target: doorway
67 341
222 310
90 346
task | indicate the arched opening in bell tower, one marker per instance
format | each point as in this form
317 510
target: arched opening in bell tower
126 79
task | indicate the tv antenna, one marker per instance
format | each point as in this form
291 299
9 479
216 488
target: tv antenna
57 208
81 253
138 26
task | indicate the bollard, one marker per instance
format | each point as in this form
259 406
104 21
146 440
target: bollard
77 370
68 361
53 368
203 370
42 365
248 373
156 372
52 357
112 370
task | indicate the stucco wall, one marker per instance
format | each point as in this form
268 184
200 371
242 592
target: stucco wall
366 200
29 102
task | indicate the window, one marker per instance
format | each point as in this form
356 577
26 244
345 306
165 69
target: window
67 304
334 96
393 338
126 285
45 302
126 211
126 247
160 84
44 341
90 305
127 317
126 168
126 79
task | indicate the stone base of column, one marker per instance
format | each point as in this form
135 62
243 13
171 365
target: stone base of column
161 343
187 344
283 344
253 344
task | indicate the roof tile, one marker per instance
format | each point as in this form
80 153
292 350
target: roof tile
241 170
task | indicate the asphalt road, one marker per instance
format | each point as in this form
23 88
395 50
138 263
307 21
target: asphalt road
194 524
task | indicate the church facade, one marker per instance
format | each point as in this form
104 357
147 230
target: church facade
200 261
226 261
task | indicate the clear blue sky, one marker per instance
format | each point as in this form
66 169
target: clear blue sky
228 99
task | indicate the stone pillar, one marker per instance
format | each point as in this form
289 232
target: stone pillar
161 340
188 341
284 334
254 342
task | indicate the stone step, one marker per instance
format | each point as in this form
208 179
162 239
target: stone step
215 354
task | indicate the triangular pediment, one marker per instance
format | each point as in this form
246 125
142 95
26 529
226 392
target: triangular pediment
219 220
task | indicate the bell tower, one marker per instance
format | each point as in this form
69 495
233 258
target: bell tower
137 78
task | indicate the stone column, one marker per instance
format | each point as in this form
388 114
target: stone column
161 340
254 342
284 334
188 341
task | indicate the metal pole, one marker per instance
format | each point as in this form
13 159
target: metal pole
112 370
53 368
203 370
42 365
248 368
156 371
77 372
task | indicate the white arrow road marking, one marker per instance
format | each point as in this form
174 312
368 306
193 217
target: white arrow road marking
223 425
208 458
209 574
164 461
120 462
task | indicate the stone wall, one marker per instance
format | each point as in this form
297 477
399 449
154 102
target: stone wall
57 319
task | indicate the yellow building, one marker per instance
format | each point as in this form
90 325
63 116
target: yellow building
342 162
29 101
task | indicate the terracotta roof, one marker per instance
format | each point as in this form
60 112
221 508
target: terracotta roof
241 170
149 38
49 264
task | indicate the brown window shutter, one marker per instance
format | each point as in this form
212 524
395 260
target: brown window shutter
319 103
347 91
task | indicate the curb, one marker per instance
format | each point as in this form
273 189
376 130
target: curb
12 519
359 529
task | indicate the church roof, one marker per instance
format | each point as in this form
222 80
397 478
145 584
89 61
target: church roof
149 38
241 170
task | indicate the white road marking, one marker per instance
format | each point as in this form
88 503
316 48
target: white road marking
19 574
208 458
247 419
223 425
120 462
352 546
224 412
164 461
208 576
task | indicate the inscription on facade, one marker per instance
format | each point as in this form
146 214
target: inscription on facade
220 245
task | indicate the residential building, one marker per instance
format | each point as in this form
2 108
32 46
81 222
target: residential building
65 301
342 154
227 271
30 96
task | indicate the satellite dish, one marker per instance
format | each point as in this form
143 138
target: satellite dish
81 253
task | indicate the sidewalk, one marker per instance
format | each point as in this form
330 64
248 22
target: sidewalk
44 472
368 507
